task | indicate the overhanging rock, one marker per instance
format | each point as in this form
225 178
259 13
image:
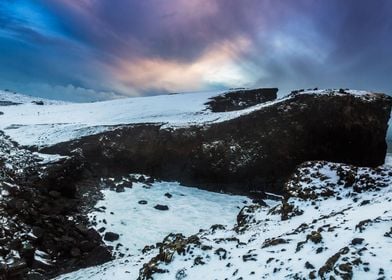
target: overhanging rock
255 151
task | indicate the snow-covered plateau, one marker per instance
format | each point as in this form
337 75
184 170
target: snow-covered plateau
63 220
54 122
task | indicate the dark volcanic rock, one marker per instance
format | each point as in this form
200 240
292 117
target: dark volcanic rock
8 103
241 99
111 236
256 151
60 178
40 214
98 256
38 102
161 207
357 241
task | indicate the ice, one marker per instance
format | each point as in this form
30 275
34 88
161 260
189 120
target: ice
190 209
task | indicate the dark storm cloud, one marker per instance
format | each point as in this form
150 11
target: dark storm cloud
352 41
175 30
144 47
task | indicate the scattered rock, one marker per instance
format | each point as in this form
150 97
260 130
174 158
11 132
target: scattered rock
274 242
38 102
308 265
161 207
357 241
315 237
111 236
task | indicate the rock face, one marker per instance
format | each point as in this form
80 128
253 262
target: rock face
241 99
42 229
254 152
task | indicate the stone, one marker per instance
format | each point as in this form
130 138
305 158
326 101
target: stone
357 241
98 256
111 236
101 229
308 265
38 102
315 237
161 207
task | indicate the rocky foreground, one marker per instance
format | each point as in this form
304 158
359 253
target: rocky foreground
43 228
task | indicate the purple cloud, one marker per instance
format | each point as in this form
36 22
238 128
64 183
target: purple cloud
137 47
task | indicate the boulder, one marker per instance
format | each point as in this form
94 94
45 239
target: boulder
161 207
111 236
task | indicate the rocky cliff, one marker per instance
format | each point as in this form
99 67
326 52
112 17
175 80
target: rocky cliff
43 229
254 152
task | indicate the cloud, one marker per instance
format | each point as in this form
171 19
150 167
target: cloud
145 47
220 65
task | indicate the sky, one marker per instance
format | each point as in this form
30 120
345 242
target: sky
87 50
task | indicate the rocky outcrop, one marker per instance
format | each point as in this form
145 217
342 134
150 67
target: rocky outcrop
254 152
241 99
43 230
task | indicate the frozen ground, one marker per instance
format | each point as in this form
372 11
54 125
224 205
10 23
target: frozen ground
190 209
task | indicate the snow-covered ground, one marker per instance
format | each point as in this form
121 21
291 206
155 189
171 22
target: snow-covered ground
31 124
139 225
14 97
55 122
132 215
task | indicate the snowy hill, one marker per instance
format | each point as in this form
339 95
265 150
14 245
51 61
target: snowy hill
56 122
8 98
